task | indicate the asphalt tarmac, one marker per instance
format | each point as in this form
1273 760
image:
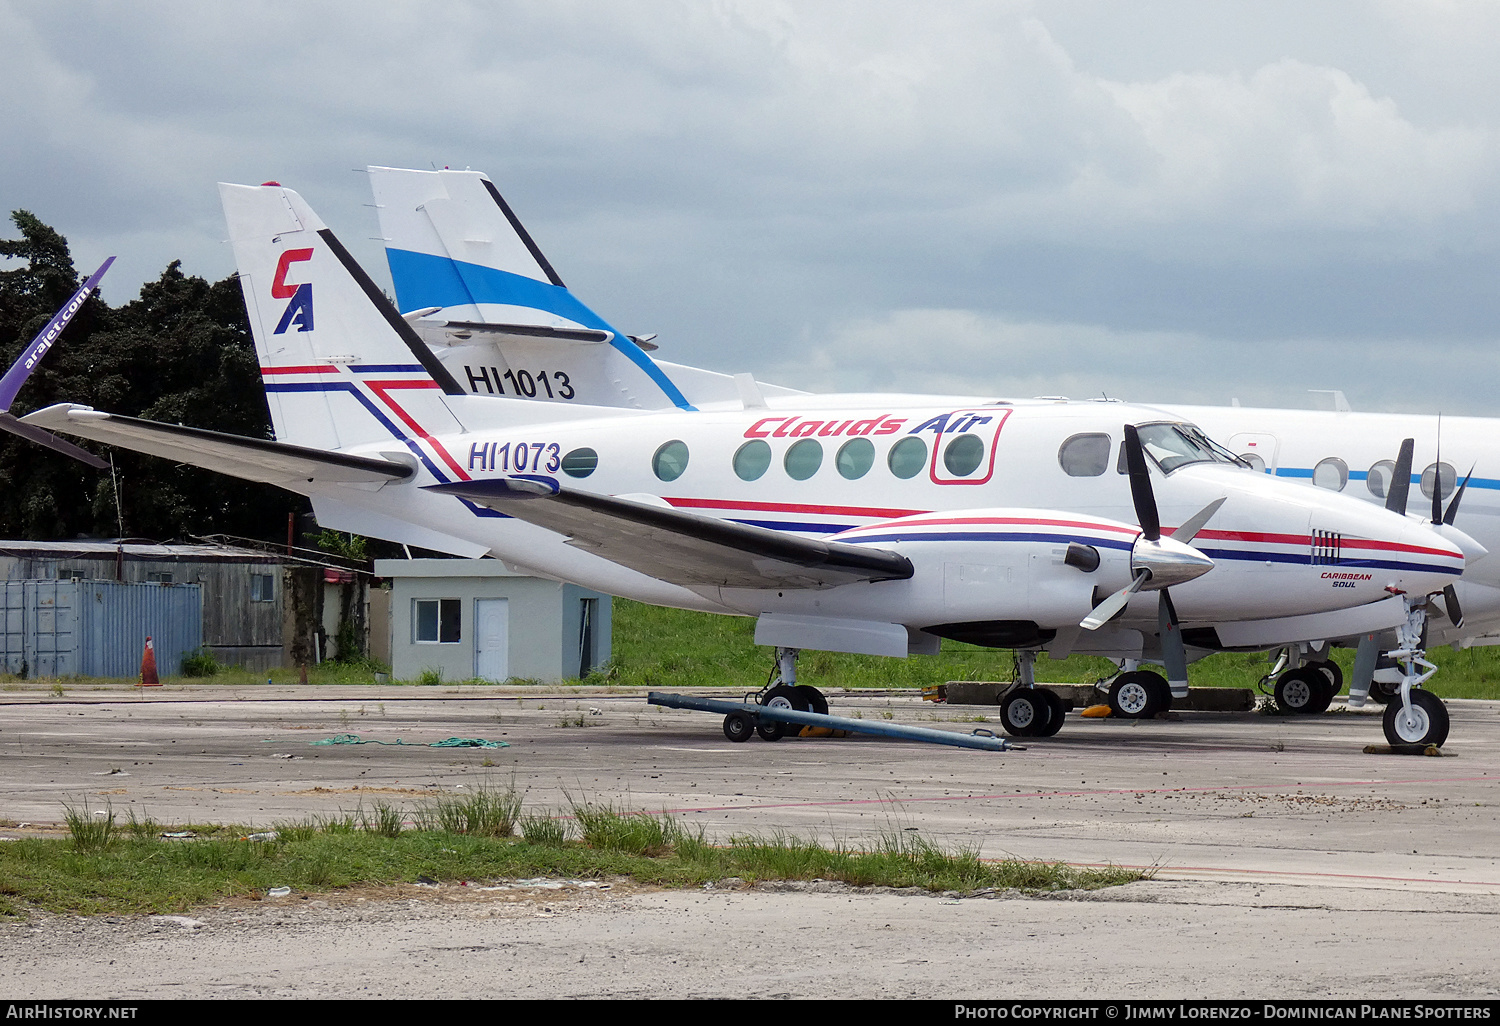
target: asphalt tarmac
1287 861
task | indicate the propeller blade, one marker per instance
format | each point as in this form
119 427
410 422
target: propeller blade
1173 652
1110 607
1450 602
1194 523
1365 657
1140 485
8 422
1437 477
1452 513
1395 495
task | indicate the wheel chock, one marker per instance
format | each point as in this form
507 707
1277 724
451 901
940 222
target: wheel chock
1433 751
1095 712
821 732
935 693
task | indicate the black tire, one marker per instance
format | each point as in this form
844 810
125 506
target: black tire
1331 670
1298 691
1059 711
1383 693
784 696
1324 699
739 727
1430 720
1025 712
816 703
1137 695
770 730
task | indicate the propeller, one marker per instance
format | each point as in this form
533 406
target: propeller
1395 495
1157 563
1442 520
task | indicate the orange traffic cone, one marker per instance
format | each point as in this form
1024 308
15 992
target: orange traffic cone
148 667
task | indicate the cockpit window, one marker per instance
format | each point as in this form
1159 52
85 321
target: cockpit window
1177 445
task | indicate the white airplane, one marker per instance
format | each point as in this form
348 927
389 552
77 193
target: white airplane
876 524
497 315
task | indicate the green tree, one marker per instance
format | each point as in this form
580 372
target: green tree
181 353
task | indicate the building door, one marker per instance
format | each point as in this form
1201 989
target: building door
492 639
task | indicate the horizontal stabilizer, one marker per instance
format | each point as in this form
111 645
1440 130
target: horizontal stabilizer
682 548
8 422
253 459
464 330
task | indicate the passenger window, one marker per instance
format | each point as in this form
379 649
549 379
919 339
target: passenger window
907 457
963 455
580 462
855 458
670 460
1254 462
1085 455
1449 479
1379 479
803 459
1332 473
751 460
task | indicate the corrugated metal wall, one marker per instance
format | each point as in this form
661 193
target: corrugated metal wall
98 628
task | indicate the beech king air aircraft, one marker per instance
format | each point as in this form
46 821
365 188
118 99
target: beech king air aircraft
495 312
876 524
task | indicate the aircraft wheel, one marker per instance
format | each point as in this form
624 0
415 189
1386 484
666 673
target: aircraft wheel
1324 697
812 697
1299 690
1428 724
1383 693
1137 695
1335 674
783 696
770 730
1059 710
738 726
1025 712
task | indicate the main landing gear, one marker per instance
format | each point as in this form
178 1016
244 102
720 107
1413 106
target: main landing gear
1027 710
781 692
1136 694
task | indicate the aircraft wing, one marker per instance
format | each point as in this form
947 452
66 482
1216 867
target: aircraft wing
682 548
254 459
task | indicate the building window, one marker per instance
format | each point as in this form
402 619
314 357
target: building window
262 588
158 577
436 621
75 575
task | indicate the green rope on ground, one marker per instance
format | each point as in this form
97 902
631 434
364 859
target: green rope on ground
452 742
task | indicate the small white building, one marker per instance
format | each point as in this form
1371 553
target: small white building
472 618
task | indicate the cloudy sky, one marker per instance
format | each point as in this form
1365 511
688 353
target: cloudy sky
1168 201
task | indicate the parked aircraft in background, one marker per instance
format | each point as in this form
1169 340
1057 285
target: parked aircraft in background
497 315
858 523
28 361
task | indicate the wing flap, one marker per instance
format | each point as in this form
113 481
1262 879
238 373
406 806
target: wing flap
253 459
682 548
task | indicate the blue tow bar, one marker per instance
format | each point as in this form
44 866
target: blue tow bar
985 741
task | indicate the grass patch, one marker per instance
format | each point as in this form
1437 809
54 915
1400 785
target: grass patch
101 870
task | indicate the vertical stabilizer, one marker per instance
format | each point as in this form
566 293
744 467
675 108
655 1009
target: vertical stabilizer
341 368
494 309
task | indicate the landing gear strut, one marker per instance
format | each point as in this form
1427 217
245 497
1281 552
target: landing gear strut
1419 718
781 692
1027 710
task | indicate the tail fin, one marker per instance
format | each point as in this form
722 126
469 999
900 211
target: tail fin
341 367
505 322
